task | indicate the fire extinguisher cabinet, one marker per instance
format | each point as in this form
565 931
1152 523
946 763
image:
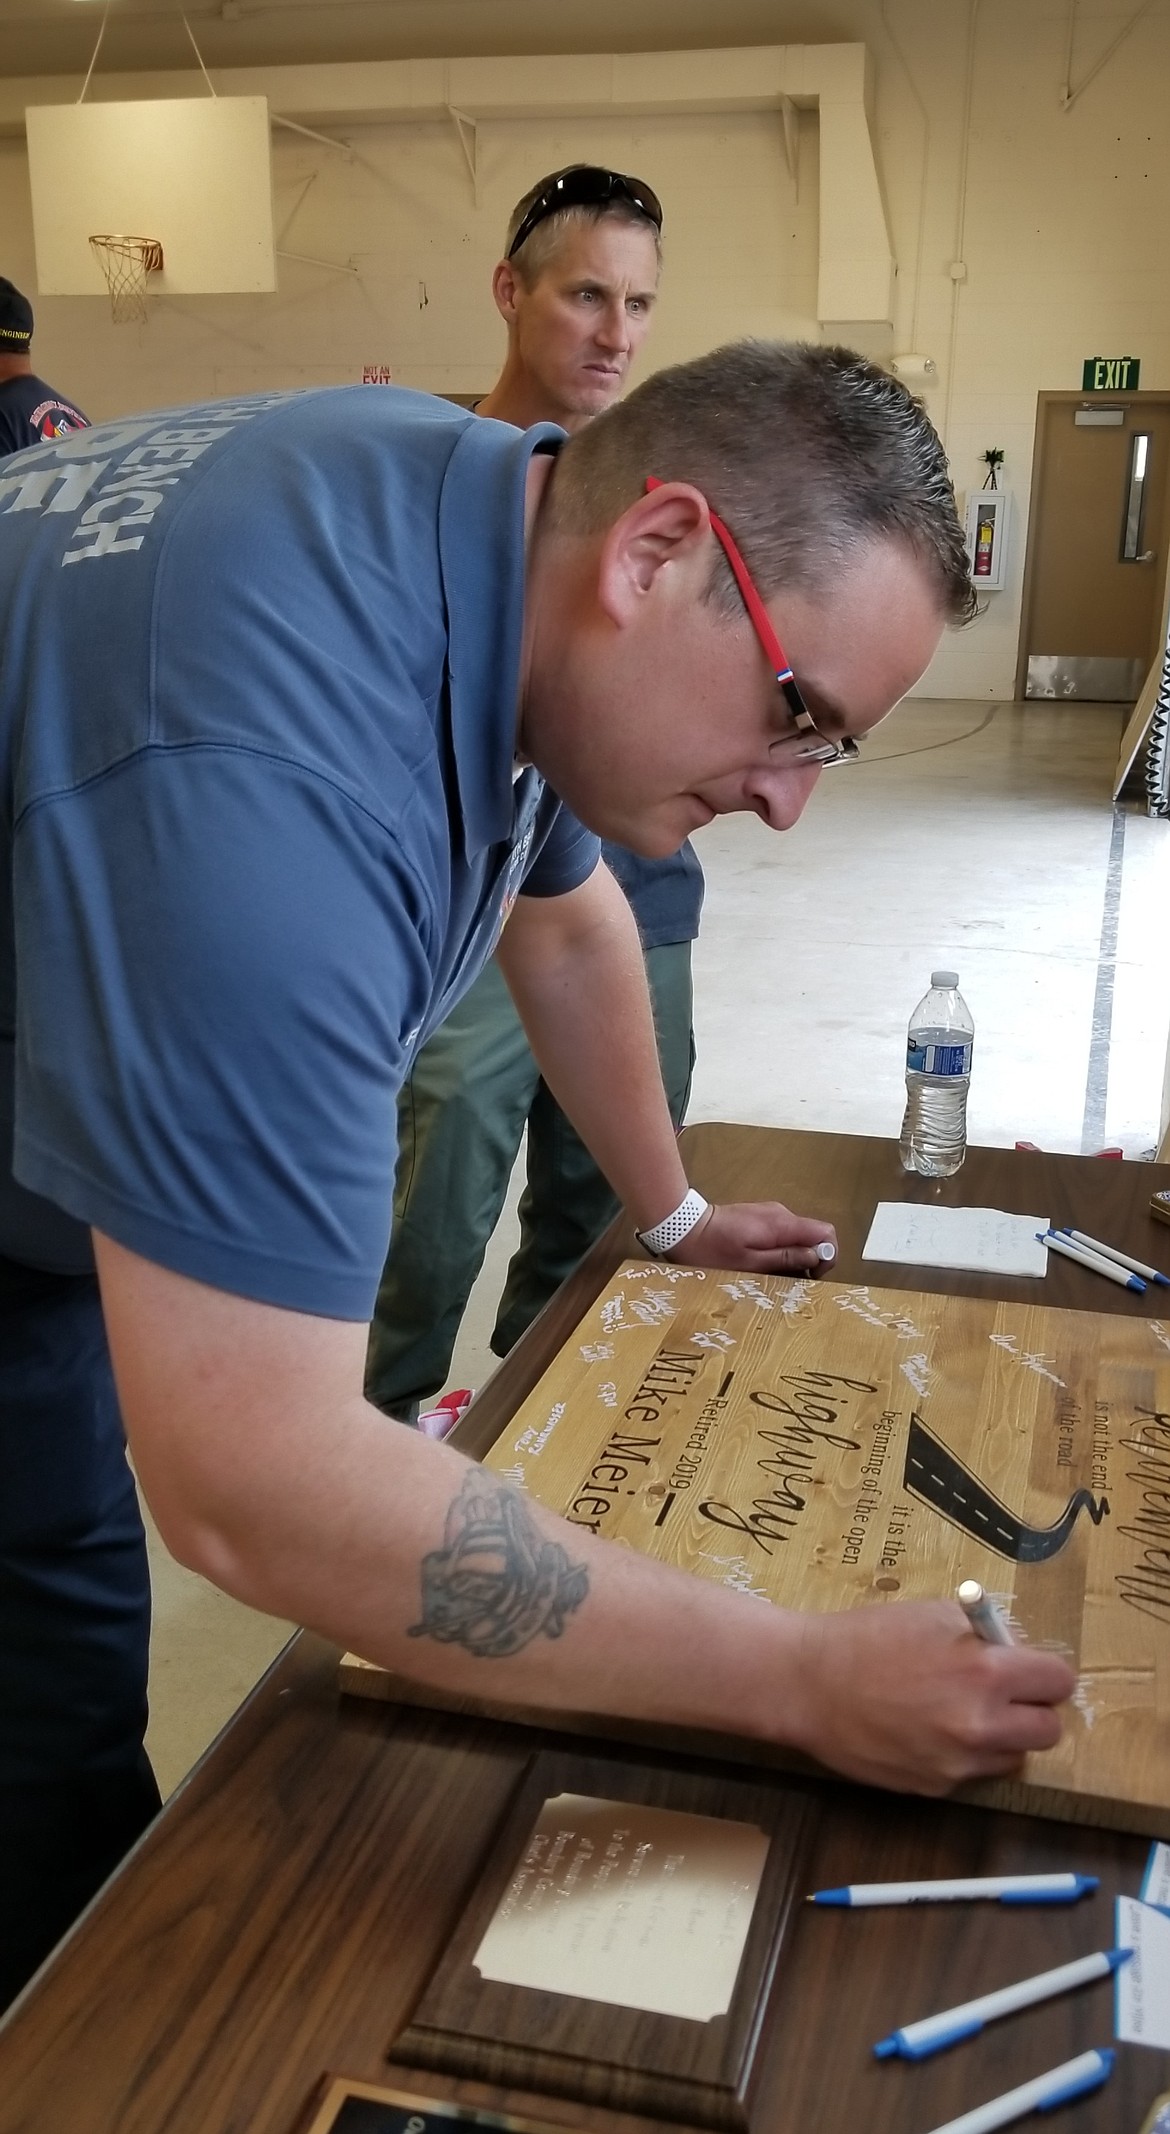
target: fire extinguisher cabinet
988 513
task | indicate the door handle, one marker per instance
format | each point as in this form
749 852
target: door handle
1148 555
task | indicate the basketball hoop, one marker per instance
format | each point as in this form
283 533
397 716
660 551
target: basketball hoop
126 262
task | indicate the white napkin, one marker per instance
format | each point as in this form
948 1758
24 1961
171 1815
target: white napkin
982 1240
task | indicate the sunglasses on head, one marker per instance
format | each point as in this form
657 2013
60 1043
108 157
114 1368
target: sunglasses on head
587 186
818 748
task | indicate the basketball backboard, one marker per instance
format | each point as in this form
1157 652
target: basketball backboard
194 172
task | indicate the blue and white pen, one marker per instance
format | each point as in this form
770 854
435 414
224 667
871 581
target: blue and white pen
1056 1241
1075 2078
1000 1889
917 2041
1110 1252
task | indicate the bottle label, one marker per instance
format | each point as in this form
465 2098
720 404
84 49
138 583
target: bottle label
948 1059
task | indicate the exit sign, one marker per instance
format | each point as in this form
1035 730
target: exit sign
1110 374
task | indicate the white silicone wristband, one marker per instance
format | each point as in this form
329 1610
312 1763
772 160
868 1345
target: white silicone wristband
671 1231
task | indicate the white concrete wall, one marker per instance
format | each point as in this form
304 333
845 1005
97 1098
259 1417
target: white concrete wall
1062 225
1064 236
403 213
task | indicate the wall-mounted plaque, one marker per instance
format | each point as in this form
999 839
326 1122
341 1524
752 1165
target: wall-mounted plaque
623 1940
364 2108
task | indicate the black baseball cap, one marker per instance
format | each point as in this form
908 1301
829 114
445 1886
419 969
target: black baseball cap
16 320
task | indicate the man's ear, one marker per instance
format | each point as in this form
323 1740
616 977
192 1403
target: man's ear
506 285
659 546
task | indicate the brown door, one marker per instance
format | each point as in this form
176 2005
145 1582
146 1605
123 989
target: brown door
1097 548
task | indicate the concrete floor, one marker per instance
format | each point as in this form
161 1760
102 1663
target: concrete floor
981 838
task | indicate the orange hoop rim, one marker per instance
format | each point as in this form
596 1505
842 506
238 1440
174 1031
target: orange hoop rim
146 251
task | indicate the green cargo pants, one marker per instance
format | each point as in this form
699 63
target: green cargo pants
461 1117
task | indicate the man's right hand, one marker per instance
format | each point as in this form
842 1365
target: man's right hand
906 1696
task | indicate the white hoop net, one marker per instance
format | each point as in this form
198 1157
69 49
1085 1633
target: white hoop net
126 262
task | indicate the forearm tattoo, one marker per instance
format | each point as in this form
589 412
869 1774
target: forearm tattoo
496 1583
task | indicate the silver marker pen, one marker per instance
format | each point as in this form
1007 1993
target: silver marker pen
982 1614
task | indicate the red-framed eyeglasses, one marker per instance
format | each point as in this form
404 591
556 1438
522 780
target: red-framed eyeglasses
819 749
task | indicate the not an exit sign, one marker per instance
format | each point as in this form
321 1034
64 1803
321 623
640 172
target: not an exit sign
1110 374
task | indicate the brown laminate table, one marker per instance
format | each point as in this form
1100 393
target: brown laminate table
281 1918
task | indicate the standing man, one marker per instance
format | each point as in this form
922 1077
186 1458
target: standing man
576 289
30 411
283 680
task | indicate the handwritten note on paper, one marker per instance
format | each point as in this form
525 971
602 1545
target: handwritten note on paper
635 1906
1143 1985
981 1240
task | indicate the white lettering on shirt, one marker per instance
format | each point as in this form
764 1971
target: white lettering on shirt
53 478
51 488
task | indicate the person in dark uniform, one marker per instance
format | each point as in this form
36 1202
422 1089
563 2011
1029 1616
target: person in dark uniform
31 413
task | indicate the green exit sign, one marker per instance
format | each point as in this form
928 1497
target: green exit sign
1110 374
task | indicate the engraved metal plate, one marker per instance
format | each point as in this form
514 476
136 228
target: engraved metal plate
1084 679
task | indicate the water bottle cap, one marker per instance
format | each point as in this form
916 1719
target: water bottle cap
944 978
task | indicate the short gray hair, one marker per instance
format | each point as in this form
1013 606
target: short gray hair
538 248
808 452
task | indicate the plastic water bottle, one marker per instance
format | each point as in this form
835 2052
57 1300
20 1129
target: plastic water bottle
939 1045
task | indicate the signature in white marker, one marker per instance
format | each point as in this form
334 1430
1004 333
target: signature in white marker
917 1369
745 1290
1030 1359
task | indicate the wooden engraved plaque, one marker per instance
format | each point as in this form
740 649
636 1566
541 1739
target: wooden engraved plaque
824 1445
367 2108
609 1867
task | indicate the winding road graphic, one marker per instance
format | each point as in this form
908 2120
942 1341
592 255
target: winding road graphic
935 1475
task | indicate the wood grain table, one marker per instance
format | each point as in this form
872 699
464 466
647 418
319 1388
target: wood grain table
282 1917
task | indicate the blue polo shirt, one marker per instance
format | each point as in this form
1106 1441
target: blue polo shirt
666 895
257 716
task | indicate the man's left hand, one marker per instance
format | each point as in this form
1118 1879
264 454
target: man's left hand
757 1237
